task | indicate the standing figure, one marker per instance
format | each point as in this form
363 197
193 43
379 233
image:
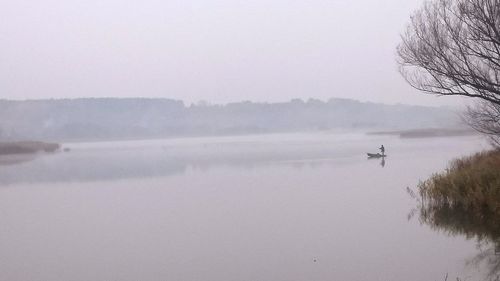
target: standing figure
382 149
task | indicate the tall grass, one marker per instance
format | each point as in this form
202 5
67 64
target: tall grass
471 183
465 200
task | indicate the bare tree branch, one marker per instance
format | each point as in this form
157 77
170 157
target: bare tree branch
452 48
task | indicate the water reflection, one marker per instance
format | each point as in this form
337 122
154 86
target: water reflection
487 260
105 161
381 159
15 159
264 211
99 163
472 222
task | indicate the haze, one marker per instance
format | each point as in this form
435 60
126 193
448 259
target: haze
218 51
229 140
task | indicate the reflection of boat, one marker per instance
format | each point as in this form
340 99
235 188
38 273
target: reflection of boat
375 155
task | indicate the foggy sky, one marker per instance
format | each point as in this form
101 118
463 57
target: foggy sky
219 51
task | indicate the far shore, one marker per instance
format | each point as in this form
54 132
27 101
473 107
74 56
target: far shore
428 133
27 147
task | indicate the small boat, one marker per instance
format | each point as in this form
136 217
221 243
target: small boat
375 155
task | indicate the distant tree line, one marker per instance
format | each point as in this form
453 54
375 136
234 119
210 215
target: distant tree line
112 118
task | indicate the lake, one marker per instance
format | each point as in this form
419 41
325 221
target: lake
250 208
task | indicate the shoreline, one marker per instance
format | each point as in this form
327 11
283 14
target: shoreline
427 133
27 147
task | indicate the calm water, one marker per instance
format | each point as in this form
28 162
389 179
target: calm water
276 207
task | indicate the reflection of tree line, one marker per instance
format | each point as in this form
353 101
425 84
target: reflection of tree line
115 164
456 219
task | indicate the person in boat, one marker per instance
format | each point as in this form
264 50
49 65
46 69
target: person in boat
382 149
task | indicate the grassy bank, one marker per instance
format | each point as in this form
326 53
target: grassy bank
27 147
464 200
472 182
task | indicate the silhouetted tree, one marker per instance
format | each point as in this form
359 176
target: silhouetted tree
484 117
452 48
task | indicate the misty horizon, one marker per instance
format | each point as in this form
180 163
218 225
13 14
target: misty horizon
125 118
218 51
203 102
263 140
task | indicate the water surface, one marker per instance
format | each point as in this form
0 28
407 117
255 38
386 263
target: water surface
275 207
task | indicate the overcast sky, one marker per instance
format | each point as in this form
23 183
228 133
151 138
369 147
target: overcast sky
219 51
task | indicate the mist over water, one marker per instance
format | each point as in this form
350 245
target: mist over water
270 207
226 140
